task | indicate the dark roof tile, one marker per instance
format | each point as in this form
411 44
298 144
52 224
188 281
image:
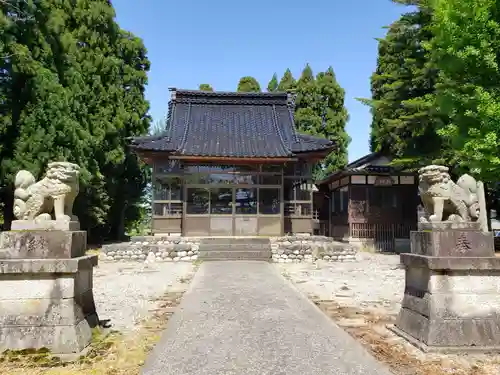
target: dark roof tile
229 124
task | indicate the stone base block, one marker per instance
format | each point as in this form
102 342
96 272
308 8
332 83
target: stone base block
451 303
45 225
47 303
42 244
443 349
449 225
452 243
463 332
64 339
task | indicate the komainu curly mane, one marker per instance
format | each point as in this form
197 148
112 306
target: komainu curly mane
443 199
55 192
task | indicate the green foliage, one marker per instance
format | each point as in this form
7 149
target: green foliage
405 119
205 87
248 84
272 86
287 82
335 120
465 48
320 111
74 88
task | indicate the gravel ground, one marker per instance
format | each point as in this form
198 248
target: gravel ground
362 297
125 292
374 281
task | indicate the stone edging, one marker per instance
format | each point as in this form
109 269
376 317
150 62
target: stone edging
152 249
287 249
296 249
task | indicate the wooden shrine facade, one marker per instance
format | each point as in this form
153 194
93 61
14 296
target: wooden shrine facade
213 199
231 164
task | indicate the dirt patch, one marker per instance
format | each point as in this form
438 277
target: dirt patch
110 353
369 327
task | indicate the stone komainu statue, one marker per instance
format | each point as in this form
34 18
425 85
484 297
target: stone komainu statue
445 200
55 192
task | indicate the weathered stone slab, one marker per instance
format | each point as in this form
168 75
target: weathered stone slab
417 278
48 297
443 349
49 286
40 244
40 312
47 266
450 263
453 306
450 225
59 339
462 332
45 225
454 243
459 281
465 282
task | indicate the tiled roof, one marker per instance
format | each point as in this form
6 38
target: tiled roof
362 166
229 124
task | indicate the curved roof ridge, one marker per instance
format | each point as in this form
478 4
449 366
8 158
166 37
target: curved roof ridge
278 130
294 128
170 115
182 143
231 93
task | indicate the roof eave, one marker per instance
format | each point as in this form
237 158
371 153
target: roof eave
344 173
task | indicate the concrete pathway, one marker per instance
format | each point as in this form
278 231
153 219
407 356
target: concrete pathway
244 318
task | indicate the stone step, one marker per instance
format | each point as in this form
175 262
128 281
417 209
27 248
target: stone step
234 241
226 255
230 259
239 247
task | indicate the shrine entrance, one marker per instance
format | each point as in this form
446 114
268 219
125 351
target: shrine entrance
240 210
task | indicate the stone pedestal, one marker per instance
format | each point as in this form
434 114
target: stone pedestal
45 225
451 300
46 298
42 244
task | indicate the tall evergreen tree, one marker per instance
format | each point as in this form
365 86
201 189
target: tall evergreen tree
273 84
335 117
205 87
307 90
320 111
465 47
307 74
248 84
405 121
287 82
77 92
36 115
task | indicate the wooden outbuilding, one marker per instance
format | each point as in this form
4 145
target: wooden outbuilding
370 202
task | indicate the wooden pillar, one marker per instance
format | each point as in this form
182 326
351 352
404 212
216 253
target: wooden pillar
282 201
153 179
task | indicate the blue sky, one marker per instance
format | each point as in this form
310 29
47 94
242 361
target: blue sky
218 41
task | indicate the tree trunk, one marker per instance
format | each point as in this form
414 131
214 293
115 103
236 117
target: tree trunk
8 207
